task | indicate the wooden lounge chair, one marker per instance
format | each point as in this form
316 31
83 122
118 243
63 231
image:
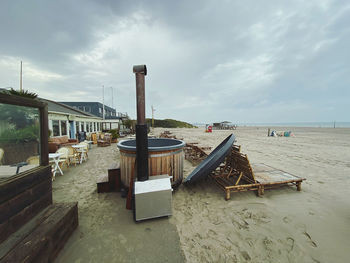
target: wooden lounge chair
236 174
194 153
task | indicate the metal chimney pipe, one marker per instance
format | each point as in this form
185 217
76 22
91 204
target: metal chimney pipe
141 126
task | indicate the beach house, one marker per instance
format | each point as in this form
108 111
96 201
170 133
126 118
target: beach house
112 118
68 121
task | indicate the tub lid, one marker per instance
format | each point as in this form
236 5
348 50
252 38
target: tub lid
214 159
154 144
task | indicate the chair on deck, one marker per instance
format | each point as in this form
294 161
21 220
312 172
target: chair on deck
105 140
35 160
73 156
64 158
94 138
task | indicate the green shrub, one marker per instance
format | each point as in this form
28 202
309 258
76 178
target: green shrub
169 123
115 133
27 134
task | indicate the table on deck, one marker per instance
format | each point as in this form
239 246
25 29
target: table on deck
80 149
55 157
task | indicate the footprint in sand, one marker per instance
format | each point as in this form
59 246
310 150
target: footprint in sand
267 243
212 233
122 239
286 219
310 239
245 255
290 242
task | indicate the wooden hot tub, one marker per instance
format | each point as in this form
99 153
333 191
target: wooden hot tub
165 156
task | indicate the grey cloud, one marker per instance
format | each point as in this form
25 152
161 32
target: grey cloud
207 60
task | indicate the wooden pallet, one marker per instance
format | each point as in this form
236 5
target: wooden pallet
236 174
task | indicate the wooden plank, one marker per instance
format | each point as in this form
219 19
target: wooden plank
22 182
239 178
44 242
30 211
17 221
24 199
69 223
17 237
22 101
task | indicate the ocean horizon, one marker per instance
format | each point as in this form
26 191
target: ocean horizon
292 124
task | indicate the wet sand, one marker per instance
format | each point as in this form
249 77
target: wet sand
282 226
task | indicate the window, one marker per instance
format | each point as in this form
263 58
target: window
87 127
81 108
94 126
20 138
63 127
87 109
100 110
56 128
82 126
90 124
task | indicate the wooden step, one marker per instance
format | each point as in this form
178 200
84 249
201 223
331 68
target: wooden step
41 239
102 183
114 177
111 181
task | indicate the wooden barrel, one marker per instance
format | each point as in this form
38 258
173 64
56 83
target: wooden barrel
161 160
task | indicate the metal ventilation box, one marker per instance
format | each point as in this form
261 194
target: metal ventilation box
153 198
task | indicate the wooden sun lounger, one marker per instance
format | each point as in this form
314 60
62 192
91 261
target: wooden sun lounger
236 174
195 153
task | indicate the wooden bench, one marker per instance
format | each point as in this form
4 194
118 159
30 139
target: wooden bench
236 174
41 239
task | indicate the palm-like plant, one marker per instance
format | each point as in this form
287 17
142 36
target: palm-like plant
23 93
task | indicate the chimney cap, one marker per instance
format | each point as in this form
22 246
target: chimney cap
140 69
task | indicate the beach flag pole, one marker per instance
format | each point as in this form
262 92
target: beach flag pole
20 80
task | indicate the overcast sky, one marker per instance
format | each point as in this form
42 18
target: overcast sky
241 61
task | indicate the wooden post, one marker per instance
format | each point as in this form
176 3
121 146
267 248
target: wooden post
228 195
298 186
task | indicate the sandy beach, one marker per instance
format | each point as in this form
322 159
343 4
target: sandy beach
284 225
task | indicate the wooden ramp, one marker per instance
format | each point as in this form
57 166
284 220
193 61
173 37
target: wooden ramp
236 174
